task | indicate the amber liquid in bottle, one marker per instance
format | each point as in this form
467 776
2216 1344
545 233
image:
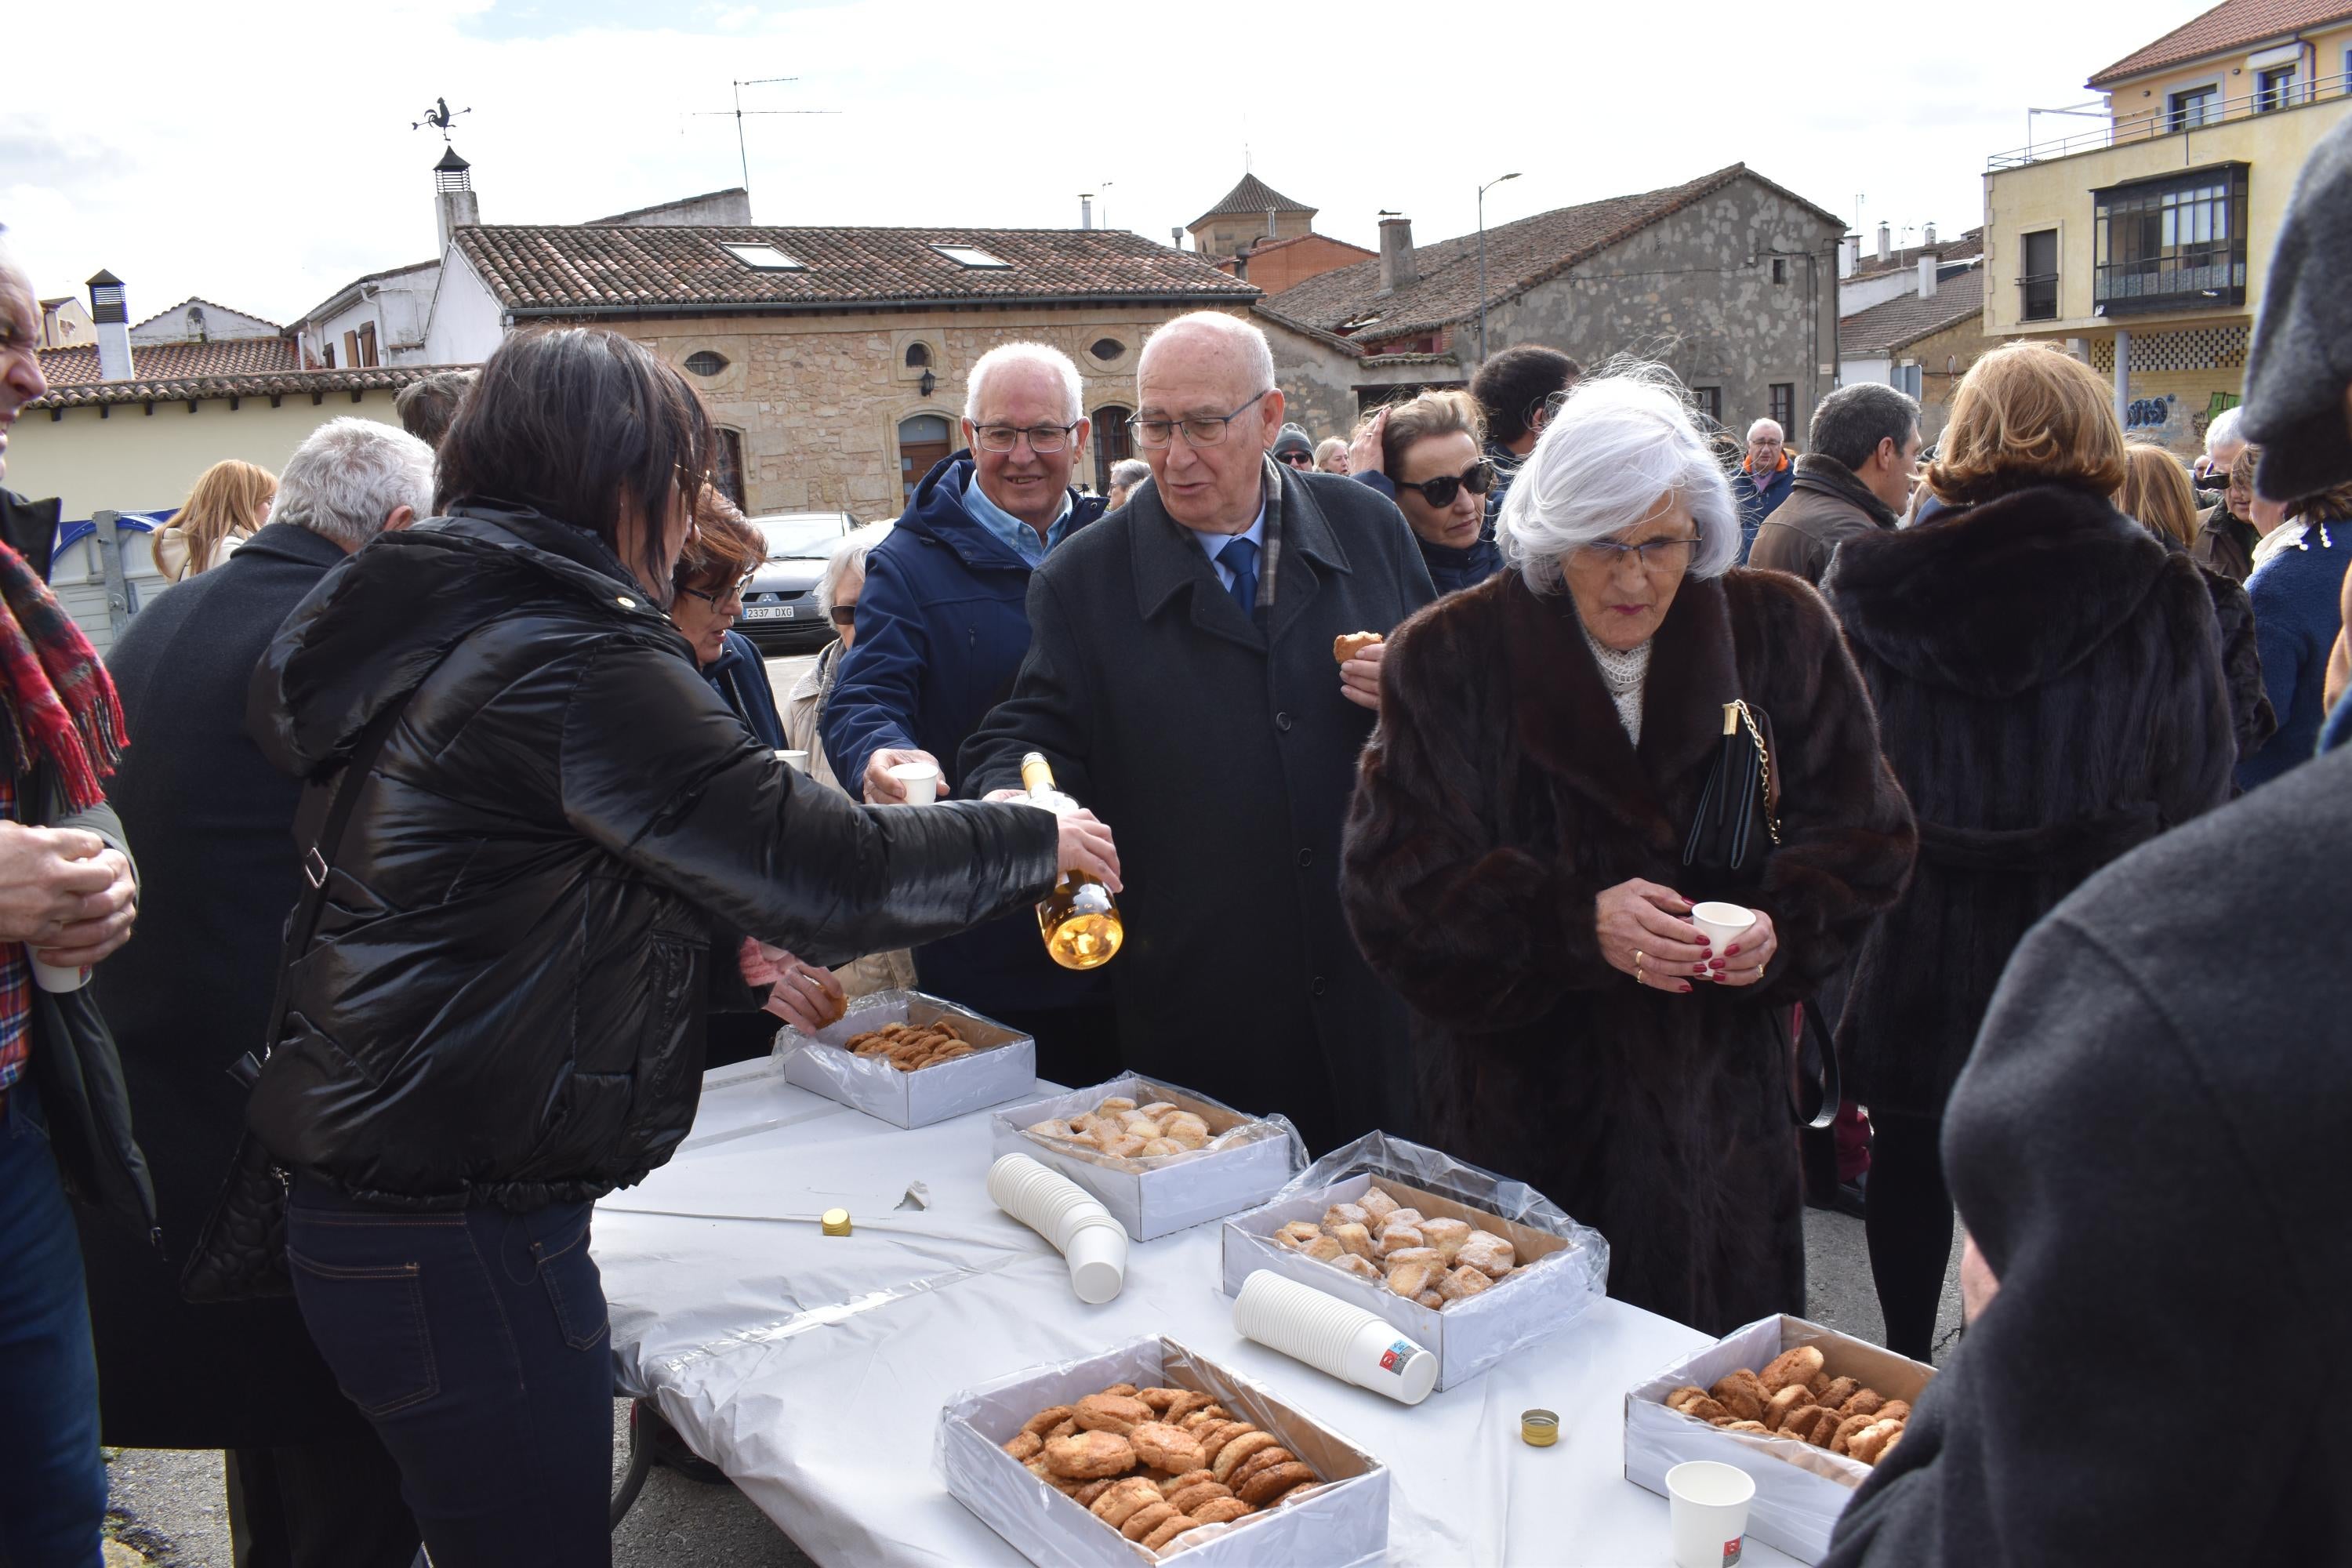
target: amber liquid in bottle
1079 920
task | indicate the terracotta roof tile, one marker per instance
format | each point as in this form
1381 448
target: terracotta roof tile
1518 256
1903 321
260 383
1250 199
2231 25
78 366
553 270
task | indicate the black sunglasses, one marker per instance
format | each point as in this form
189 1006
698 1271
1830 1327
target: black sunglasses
1297 459
1478 478
844 615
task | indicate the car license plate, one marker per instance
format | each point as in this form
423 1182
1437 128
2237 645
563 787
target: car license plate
768 613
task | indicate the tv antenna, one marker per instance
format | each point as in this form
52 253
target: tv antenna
738 112
439 117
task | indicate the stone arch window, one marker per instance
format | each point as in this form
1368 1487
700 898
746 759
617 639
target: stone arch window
1107 349
918 356
703 362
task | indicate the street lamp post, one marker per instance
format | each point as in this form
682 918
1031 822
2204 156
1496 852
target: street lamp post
1482 259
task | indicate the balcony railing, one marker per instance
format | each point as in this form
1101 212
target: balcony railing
2166 122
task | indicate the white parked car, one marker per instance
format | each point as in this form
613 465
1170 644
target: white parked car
779 606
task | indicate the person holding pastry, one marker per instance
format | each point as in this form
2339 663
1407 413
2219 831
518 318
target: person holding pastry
1518 856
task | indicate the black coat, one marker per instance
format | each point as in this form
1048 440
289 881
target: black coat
505 1001
1501 798
1222 759
2050 693
2148 1147
188 995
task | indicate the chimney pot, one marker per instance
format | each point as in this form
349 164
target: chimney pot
1886 242
1929 237
1928 276
453 188
111 313
1399 269
1085 211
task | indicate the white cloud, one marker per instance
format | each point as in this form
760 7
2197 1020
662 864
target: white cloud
262 157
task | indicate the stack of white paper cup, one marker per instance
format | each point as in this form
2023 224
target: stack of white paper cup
1089 1240
1344 1340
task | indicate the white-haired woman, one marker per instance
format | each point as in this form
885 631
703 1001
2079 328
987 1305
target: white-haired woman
1515 855
1125 475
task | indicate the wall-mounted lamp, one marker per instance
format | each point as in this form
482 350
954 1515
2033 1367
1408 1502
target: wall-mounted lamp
927 382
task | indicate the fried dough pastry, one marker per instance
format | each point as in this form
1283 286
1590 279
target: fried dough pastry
1325 1249
1840 1390
1274 1482
1219 1510
1432 1299
1346 1213
1488 1253
1116 1413
1401 1217
1355 1239
1742 1395
1089 1456
1798 1366
1846 1428
1236 1449
1124 1497
909 1048
1864 1402
1397 1237
1024 1446
1777 1408
1463 1282
1445 1235
1410 1279
1045 1420
1298 1234
1213 1439
1352 643
1171 1448
1198 1492
1147 1519
1377 1207
1362 1267
1168 1530
1894 1410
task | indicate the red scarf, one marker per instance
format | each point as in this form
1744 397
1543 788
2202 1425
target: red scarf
60 703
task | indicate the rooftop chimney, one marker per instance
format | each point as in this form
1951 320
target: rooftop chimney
1929 237
1398 269
453 188
1849 256
113 320
1085 209
1928 275
1886 242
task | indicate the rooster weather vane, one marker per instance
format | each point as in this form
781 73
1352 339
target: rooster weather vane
439 117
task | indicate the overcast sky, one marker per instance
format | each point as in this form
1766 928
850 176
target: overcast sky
261 155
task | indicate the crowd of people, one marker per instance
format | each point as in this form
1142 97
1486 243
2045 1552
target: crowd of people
454 789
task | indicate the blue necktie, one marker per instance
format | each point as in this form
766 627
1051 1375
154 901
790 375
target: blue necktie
1240 557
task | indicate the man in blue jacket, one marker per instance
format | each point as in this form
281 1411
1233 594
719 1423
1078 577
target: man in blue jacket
1763 481
941 629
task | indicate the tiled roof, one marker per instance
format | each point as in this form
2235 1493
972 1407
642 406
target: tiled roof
207 304
551 271
78 366
1250 199
2231 25
1518 256
1267 247
1899 322
269 384
1966 246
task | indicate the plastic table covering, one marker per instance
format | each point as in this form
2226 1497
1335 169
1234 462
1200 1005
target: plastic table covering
813 1369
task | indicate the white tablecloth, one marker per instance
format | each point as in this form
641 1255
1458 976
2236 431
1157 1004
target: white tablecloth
812 1368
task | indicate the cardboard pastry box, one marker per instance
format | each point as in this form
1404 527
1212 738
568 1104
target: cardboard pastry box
1003 1068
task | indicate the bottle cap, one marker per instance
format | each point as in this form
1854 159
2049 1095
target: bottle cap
1538 1428
836 1222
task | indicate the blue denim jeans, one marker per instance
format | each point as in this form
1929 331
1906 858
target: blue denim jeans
52 1480
476 1343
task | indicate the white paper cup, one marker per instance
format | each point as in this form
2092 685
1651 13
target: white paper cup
1066 1215
920 781
49 977
1707 1502
1097 1254
1334 1336
797 760
1722 922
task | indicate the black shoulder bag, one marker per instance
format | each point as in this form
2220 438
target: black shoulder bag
240 1252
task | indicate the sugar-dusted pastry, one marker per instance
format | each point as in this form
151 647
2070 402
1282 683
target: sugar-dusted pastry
1122 1146
1187 1498
1139 1124
1168 1530
1088 1456
1355 1239
1377 1207
1415 1255
1488 1253
1159 1109
1362 1267
1147 1519
1777 1408
1432 1299
1185 1127
1397 1237
1325 1249
1445 1235
1797 1365
1410 1217
1462 1283
1123 1498
1219 1510
1171 1448
1116 1413
1338 1214
1114 1105
1270 1484
1298 1234
1410 1279
1230 1457
1158 1148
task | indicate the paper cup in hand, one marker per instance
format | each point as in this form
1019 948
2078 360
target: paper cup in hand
796 761
1707 1502
919 780
1723 923
49 977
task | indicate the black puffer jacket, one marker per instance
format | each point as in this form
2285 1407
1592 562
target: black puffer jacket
504 1004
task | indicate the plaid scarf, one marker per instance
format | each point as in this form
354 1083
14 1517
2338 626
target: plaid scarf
60 703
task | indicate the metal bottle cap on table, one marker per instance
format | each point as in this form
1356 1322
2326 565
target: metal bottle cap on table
836 1222
1538 1428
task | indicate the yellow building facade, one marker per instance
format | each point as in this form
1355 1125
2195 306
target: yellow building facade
2145 245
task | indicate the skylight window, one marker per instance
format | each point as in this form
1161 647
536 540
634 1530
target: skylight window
970 256
762 258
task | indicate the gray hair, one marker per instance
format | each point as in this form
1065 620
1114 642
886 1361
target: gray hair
847 561
1851 421
349 476
1044 357
2223 432
1130 472
1624 441
1240 336
1760 423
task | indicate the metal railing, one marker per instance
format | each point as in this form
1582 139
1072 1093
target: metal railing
2151 124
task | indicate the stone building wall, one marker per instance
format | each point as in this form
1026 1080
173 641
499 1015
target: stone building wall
818 399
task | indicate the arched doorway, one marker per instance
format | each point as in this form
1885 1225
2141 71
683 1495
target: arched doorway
923 440
1114 443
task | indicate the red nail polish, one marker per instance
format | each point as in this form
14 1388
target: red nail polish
1685 987
1732 948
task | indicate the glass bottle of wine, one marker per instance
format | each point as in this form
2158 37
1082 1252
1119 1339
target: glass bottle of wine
1079 920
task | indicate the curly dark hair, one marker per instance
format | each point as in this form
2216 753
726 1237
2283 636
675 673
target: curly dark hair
1513 383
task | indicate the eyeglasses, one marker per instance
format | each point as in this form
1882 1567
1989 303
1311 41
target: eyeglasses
844 615
1477 478
1659 556
1296 459
1200 430
1041 437
731 593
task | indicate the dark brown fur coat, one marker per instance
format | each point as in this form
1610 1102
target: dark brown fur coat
1499 797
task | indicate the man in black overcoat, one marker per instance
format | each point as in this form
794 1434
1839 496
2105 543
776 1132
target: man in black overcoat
1181 680
309 1482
